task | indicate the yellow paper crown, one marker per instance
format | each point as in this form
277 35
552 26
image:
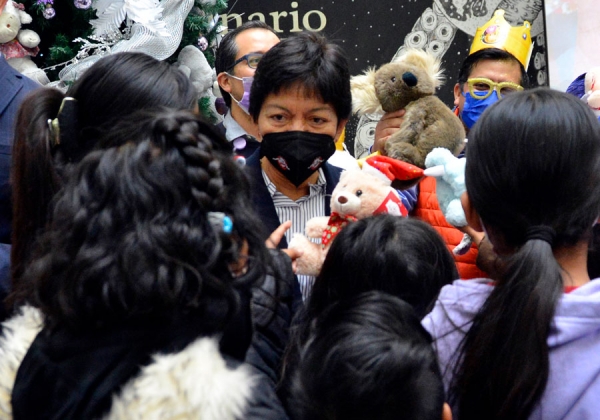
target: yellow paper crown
497 33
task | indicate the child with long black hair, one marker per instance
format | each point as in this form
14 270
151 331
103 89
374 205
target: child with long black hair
368 358
527 345
401 256
142 284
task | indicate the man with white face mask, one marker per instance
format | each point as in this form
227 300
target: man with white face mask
237 56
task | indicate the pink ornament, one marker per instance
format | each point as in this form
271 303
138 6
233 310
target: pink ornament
202 43
49 12
82 4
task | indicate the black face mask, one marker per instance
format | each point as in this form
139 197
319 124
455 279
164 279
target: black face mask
297 154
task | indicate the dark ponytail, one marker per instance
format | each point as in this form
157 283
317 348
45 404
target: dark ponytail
34 180
505 366
533 165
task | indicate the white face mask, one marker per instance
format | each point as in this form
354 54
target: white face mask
244 103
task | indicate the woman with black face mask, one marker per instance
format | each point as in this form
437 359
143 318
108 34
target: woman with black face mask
301 101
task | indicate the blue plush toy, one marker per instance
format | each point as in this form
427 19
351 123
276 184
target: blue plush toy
450 184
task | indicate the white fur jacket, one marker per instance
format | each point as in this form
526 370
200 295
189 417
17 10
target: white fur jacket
168 388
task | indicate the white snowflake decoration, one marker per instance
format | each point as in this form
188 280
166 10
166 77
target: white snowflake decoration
112 13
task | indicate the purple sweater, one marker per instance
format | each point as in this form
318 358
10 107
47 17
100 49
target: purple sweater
573 388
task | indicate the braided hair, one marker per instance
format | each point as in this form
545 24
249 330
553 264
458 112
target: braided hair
131 234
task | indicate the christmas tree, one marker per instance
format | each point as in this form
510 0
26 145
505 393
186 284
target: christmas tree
72 31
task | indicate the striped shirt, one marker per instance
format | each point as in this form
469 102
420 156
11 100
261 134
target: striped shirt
299 211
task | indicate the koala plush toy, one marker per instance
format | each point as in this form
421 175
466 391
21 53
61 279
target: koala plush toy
409 83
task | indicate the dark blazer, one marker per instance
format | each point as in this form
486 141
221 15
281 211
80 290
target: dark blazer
13 88
263 203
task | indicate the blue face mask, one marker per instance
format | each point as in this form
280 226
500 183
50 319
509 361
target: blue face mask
474 108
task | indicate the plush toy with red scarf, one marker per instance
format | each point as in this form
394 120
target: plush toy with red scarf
359 193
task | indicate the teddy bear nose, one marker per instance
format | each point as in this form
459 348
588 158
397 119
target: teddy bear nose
410 79
342 199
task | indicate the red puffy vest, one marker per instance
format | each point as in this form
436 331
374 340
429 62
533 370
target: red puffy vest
428 210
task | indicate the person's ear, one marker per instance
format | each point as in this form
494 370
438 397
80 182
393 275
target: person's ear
224 82
340 129
471 215
457 94
447 412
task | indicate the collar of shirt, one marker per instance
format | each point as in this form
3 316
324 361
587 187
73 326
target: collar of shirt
232 129
317 188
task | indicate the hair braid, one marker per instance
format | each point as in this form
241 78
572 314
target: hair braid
183 132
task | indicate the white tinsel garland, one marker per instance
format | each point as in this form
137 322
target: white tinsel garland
112 13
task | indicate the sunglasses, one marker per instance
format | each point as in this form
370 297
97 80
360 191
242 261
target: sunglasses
481 88
252 59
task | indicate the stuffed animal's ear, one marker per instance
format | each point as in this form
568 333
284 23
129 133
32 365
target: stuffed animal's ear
25 17
428 62
364 99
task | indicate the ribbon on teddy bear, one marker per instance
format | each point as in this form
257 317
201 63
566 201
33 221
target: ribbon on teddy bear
14 49
336 223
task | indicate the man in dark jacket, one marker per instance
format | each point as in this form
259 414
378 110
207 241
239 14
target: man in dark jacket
14 87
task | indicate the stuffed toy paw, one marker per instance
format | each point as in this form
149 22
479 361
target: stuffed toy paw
450 173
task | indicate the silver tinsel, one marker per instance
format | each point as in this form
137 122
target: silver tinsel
135 37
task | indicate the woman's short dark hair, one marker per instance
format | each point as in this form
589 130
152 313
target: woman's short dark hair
113 88
307 61
533 162
138 232
368 357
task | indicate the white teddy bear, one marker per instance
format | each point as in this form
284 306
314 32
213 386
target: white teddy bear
19 45
359 193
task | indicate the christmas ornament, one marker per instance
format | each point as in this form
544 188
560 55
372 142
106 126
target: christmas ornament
111 14
202 42
82 4
48 11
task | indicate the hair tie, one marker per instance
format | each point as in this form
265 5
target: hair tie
220 221
54 132
540 232
64 126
